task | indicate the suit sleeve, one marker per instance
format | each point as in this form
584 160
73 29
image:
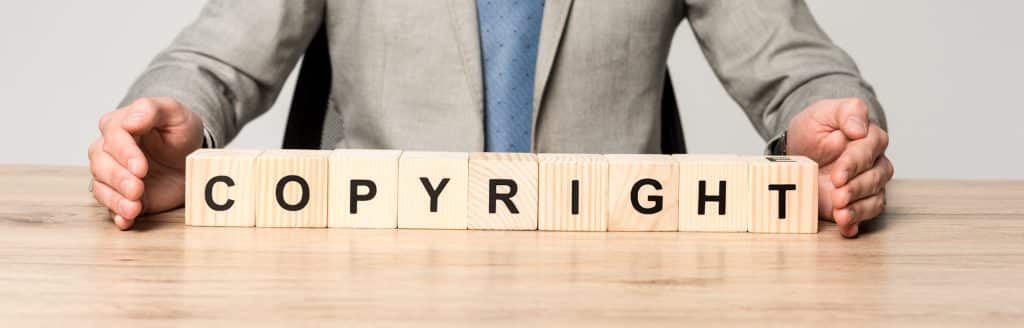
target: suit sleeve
774 60
229 65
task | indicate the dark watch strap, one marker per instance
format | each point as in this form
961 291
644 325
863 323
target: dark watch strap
779 147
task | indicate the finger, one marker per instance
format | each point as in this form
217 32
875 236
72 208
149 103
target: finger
865 209
859 156
122 223
866 184
852 118
106 195
109 172
849 231
122 146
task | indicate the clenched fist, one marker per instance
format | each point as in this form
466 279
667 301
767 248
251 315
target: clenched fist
850 151
138 162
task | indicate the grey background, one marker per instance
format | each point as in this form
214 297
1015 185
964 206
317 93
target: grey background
946 71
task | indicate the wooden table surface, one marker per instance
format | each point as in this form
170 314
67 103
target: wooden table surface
946 253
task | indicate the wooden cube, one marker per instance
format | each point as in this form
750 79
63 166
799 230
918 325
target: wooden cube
220 188
643 193
714 193
502 191
363 189
292 189
573 190
784 191
432 190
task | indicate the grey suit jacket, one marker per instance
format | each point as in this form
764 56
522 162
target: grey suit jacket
407 73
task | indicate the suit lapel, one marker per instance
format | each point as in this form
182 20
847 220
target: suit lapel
556 12
467 34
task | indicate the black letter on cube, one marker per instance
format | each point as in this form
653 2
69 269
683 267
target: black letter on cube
355 197
304 199
635 195
782 189
703 198
432 192
209 193
506 198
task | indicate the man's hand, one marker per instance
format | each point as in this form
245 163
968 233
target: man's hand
850 150
138 162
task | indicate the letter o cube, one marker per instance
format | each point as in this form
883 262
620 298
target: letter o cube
292 190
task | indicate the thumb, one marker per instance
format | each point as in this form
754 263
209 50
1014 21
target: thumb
146 114
852 118
829 148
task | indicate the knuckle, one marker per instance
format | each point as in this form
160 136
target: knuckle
847 192
860 162
884 167
104 196
127 151
144 104
97 197
104 120
109 148
878 204
890 170
94 169
93 147
121 152
864 165
856 106
112 201
879 181
97 168
844 197
105 173
846 163
883 139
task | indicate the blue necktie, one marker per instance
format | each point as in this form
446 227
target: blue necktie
509 33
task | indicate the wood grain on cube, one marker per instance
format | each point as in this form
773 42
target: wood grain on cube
292 189
643 193
709 174
558 174
502 191
220 188
793 179
363 189
432 190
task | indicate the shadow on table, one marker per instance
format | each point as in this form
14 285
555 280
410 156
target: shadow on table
161 220
874 226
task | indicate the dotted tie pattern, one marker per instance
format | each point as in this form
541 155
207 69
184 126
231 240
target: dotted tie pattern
509 33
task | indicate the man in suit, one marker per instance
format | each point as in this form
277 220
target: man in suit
583 76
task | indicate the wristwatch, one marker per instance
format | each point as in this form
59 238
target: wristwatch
779 147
